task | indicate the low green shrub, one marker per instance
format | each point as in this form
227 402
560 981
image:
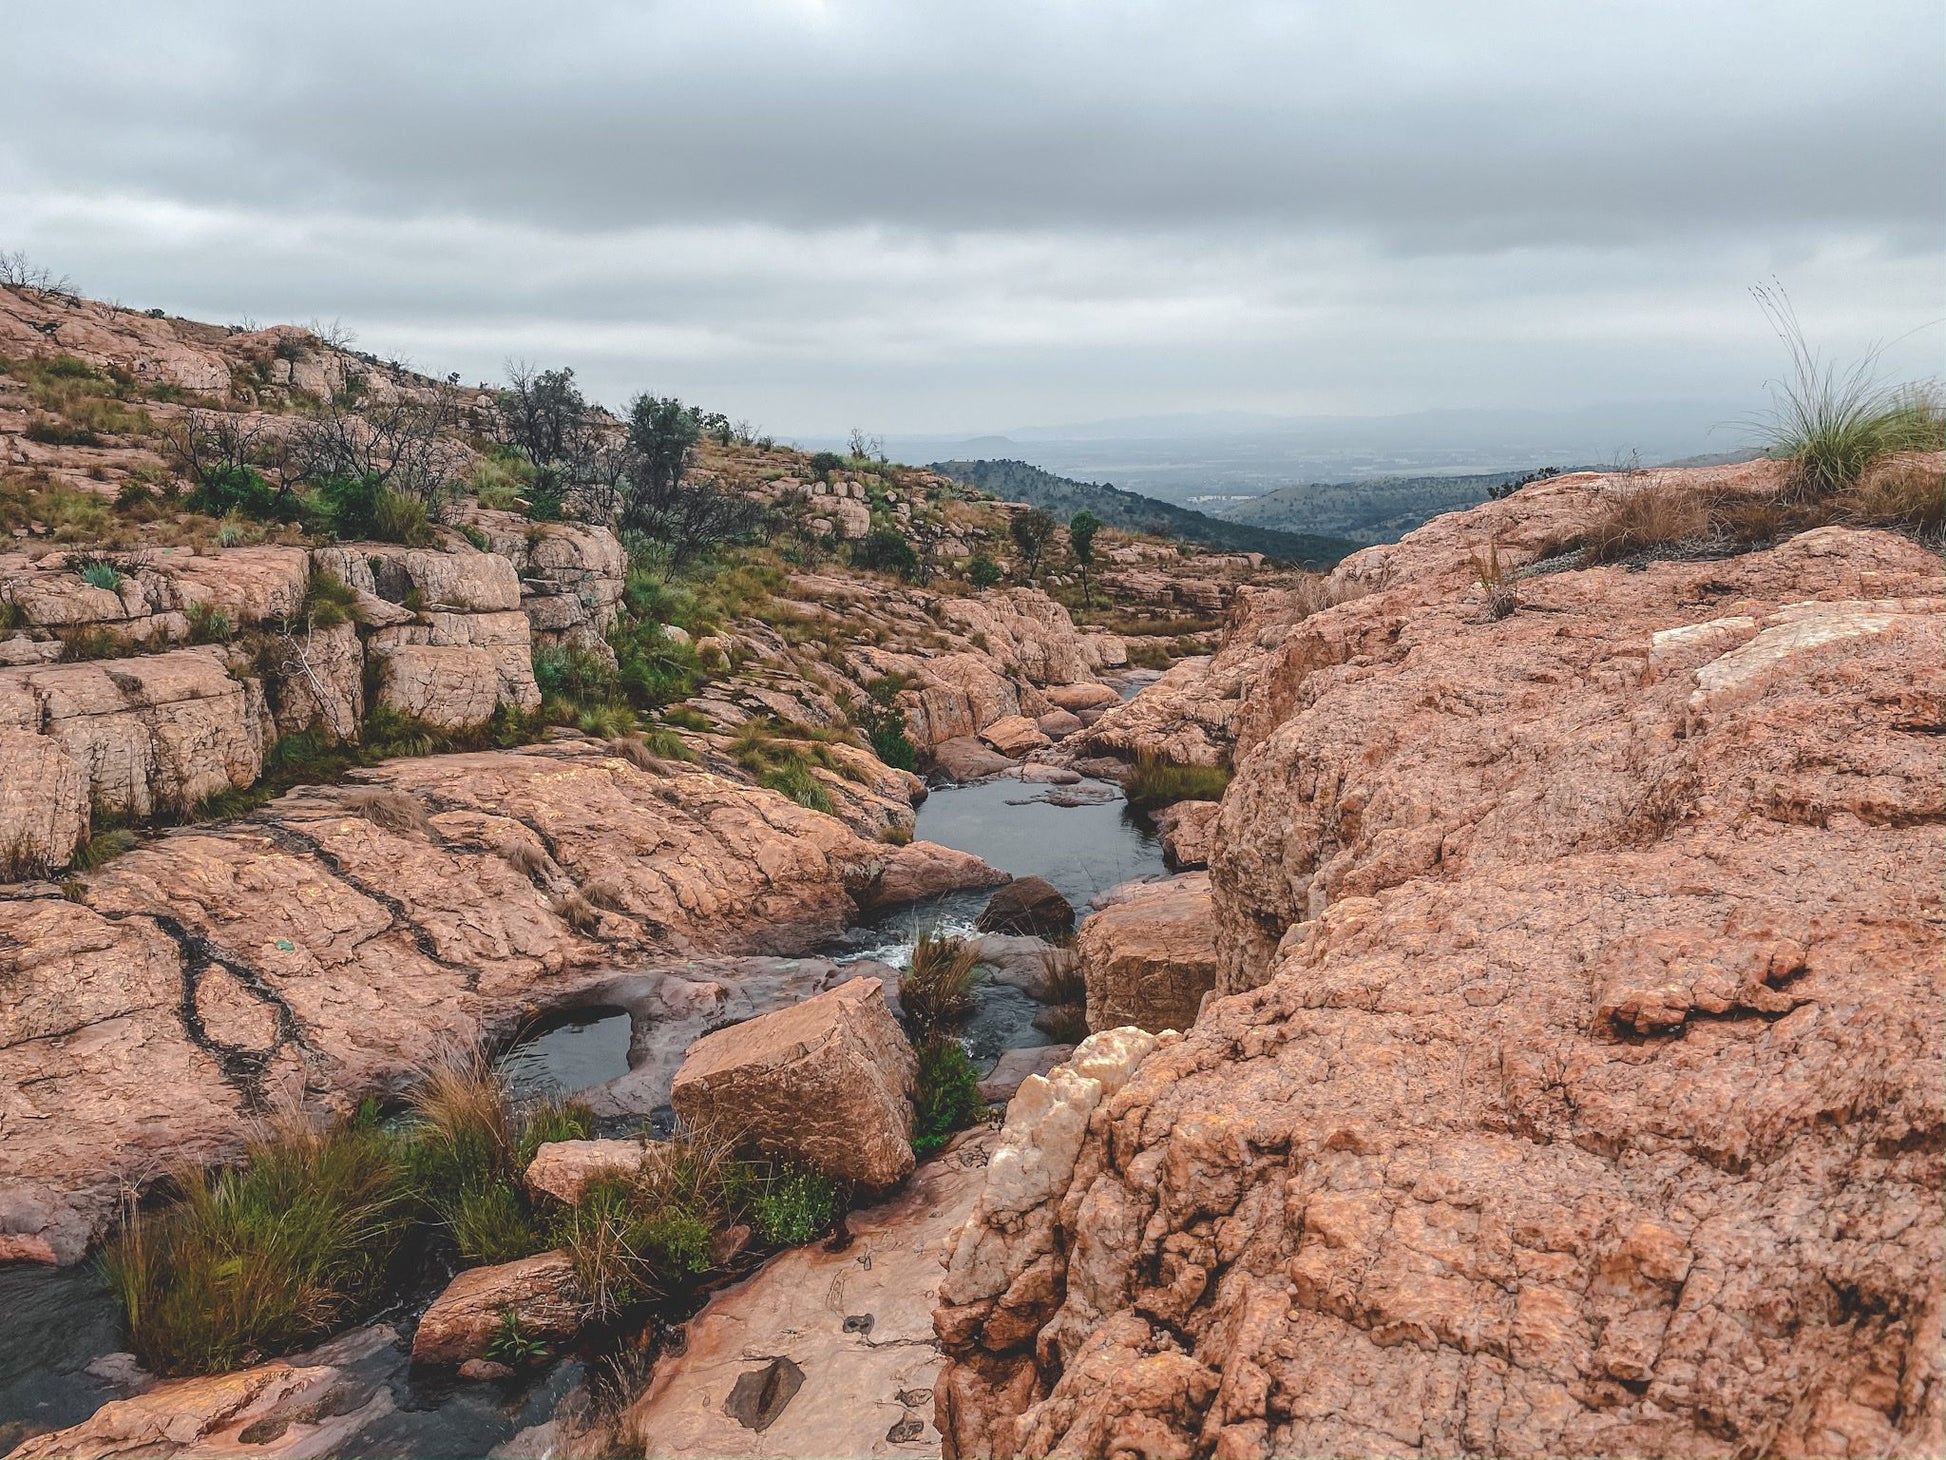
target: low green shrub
1156 782
947 1097
208 624
982 572
796 1205
884 724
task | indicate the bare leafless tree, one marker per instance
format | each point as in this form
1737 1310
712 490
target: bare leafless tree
17 271
401 440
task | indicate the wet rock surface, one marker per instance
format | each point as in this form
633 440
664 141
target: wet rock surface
854 1327
1028 907
1580 1086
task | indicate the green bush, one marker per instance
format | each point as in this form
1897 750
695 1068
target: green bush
884 724
948 1094
887 552
208 624
364 509
101 575
982 572
797 1205
243 491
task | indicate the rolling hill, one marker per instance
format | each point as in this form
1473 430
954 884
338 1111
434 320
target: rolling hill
1016 481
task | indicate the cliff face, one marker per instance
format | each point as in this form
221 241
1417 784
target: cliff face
1578 1089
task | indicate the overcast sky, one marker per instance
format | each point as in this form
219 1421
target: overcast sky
921 217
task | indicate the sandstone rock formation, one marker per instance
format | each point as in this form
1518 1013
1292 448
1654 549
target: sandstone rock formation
1186 829
825 1084
1581 1088
1150 956
1014 736
308 951
565 1169
540 1292
855 1324
924 869
304 1408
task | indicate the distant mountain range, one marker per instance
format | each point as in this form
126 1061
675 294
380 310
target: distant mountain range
1016 481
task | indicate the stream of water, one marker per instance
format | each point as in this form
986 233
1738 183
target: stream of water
621 1052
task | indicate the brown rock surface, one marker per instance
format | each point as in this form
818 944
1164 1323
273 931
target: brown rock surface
1586 1096
542 1292
1150 955
565 1169
966 759
925 869
1014 736
1186 829
304 1408
857 1324
826 1083
1028 906
327 954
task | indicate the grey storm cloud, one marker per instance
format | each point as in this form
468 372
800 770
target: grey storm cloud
928 216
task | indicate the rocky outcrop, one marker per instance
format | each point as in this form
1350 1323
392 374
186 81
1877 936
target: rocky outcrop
1014 736
853 1321
1029 907
1150 955
541 1294
825 1084
1004 1271
1186 829
1583 1090
303 1408
335 940
1188 716
926 869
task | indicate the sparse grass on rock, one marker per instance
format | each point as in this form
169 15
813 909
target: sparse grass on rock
1156 782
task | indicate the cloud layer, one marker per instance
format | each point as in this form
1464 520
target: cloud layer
923 217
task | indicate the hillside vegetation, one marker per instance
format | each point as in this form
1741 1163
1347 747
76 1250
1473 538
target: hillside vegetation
1017 481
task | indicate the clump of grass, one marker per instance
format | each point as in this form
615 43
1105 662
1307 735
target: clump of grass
1496 582
896 836
1065 1017
786 761
102 848
1157 782
947 1097
606 722
209 624
525 857
1835 424
392 810
328 602
578 913
936 990
263 1258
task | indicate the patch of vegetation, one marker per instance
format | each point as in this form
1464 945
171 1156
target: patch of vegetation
936 990
785 760
1157 782
795 1206
884 724
1837 424
102 848
208 624
982 572
1064 1019
264 1258
947 1097
885 551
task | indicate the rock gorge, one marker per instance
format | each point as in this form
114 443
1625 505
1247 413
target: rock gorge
1537 1051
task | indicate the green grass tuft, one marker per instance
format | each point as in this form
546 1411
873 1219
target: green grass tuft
1156 782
